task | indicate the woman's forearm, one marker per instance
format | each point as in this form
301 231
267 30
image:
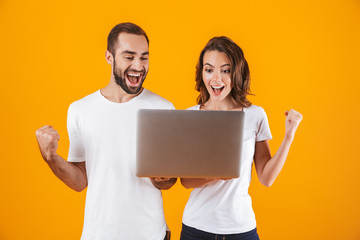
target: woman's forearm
273 167
196 182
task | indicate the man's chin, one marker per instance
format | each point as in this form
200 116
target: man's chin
133 90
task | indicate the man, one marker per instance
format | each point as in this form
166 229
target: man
102 132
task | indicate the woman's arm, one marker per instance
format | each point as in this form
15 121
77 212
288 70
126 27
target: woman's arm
199 182
196 182
267 167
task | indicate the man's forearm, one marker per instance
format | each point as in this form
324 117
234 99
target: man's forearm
72 174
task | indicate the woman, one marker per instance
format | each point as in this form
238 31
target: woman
221 208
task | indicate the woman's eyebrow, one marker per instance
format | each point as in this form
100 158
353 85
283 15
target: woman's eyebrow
226 64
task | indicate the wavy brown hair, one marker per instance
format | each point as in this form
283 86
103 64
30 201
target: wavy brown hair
240 73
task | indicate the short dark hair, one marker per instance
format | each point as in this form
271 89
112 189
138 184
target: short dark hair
240 73
126 27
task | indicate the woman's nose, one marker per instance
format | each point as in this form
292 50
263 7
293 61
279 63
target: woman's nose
217 77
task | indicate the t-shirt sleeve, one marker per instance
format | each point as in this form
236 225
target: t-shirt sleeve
76 149
263 132
171 106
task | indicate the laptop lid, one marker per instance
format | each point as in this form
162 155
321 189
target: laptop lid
189 143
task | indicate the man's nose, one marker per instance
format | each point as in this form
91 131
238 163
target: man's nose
137 65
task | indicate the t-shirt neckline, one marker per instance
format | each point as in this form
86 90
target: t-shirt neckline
123 103
198 108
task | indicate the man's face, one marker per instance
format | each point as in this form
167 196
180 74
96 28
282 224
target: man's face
131 62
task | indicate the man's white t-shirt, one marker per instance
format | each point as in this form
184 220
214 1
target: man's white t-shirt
225 207
119 205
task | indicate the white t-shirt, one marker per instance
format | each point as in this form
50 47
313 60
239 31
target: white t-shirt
119 205
224 207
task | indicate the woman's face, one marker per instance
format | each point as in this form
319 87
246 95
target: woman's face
217 75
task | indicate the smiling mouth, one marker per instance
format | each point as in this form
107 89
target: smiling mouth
133 79
217 89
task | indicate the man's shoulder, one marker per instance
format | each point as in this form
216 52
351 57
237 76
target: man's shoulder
154 99
85 101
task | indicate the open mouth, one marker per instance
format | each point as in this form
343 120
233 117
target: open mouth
217 89
133 79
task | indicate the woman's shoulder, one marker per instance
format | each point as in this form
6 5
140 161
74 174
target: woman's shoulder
256 110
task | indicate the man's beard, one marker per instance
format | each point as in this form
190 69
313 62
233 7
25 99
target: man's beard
121 81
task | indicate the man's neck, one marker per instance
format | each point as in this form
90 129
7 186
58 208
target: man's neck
115 93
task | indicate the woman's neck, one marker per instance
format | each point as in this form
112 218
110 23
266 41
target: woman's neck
223 105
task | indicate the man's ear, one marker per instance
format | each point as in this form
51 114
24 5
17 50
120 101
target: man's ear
109 57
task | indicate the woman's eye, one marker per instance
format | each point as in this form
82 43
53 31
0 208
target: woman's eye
226 71
208 70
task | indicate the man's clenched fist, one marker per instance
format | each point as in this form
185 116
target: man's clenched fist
47 138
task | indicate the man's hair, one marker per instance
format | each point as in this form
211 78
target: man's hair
126 27
240 73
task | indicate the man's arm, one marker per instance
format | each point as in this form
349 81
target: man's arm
72 174
163 183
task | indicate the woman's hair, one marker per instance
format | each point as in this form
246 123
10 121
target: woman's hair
240 74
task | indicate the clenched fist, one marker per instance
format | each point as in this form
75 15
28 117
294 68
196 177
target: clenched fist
47 138
293 119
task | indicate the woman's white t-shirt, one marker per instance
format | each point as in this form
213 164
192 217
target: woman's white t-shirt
224 207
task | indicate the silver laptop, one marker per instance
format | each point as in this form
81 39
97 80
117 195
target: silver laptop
189 143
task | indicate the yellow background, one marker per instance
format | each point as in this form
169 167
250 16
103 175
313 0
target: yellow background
302 55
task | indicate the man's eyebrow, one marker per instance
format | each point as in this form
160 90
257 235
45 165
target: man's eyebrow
133 53
128 52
